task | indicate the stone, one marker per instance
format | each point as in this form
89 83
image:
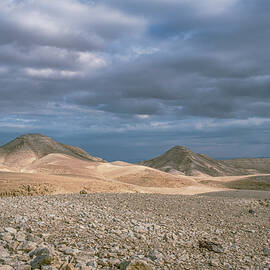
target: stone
41 260
20 219
114 262
37 251
227 266
3 253
24 267
44 256
92 263
154 255
140 229
20 237
211 246
6 236
6 267
67 266
11 230
71 251
134 265
266 251
184 257
48 267
214 262
27 246
102 228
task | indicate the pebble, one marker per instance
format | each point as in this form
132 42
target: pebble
134 265
266 251
6 267
132 231
211 246
11 230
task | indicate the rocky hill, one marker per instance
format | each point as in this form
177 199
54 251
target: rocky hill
183 160
253 165
28 148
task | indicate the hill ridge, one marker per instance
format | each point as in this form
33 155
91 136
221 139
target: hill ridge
30 147
182 159
261 165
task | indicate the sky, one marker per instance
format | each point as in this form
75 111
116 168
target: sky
127 80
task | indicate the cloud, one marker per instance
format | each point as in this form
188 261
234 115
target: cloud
115 66
65 24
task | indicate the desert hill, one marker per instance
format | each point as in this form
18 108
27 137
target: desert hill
35 164
253 165
28 148
183 160
40 162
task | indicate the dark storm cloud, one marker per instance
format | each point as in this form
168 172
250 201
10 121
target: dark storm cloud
173 66
64 24
203 55
208 60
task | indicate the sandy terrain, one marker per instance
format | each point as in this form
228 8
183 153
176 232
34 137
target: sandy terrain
59 173
115 178
39 184
14 184
35 164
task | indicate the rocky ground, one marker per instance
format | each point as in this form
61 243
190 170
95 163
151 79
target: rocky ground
134 231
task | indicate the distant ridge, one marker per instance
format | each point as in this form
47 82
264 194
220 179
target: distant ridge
183 160
30 147
253 165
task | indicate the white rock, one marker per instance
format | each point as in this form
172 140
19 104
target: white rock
11 230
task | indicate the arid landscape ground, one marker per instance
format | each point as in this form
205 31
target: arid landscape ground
62 208
34 164
156 123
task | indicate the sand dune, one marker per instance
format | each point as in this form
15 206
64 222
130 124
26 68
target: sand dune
143 176
61 164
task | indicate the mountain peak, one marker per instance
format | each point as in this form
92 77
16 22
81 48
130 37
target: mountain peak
180 148
182 159
32 135
30 147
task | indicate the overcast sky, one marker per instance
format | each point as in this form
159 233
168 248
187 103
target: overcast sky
127 80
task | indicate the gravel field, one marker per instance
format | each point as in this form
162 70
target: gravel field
243 194
134 231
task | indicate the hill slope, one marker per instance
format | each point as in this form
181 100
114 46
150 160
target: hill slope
44 158
28 148
182 159
261 165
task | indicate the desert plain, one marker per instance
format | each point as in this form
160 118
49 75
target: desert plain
61 208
